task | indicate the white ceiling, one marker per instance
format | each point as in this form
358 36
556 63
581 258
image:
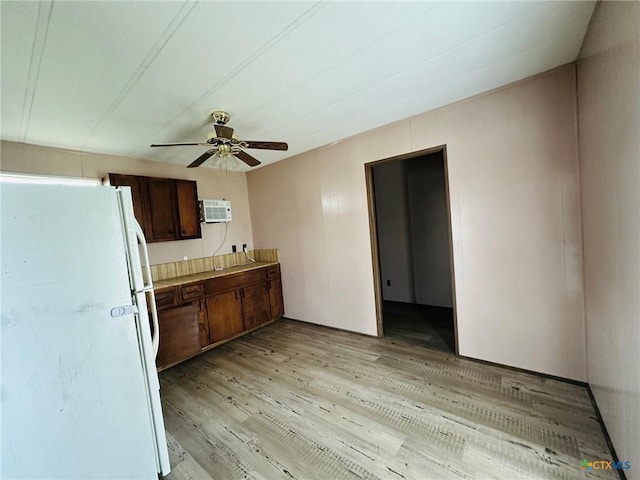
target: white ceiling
116 76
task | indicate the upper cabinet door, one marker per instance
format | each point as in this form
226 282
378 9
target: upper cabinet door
162 208
188 217
140 197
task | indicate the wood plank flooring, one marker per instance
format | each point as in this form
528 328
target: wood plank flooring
299 401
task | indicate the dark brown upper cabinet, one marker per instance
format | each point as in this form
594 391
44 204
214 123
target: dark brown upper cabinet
188 212
162 209
140 197
166 208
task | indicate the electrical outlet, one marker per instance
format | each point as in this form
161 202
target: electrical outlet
185 257
388 283
234 249
244 247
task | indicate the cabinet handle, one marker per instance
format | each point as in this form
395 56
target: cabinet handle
236 292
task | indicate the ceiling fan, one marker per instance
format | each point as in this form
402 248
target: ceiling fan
226 145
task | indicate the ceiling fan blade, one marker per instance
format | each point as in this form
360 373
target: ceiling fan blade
175 144
248 159
202 158
224 132
268 145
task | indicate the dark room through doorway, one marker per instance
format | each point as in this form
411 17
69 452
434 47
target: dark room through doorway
414 249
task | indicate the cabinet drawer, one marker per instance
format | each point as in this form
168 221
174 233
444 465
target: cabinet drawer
165 299
229 282
192 292
273 271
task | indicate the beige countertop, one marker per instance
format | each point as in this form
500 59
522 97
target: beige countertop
197 277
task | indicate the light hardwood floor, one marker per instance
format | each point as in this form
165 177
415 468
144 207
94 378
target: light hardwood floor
299 401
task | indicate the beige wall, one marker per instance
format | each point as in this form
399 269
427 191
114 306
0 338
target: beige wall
609 120
429 229
16 157
394 241
513 173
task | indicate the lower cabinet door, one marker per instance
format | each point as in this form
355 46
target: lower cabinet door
275 298
179 334
224 314
255 305
205 338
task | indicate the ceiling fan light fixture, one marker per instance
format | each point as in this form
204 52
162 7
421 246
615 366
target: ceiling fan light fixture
224 158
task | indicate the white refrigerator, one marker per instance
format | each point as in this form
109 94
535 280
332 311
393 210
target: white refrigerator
79 392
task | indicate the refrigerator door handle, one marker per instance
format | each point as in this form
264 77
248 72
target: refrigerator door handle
148 282
148 288
155 340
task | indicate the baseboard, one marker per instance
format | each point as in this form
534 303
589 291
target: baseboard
530 372
331 327
612 449
477 360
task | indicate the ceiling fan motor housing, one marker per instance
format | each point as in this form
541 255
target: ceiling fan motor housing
220 117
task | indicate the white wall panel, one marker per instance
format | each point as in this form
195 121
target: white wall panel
513 177
609 119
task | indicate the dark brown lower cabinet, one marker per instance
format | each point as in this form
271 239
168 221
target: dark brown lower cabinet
255 305
276 302
179 333
193 316
224 315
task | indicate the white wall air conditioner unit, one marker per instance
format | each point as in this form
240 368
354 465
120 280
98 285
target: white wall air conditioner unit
215 211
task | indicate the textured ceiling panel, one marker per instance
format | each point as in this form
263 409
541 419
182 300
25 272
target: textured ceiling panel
114 77
91 53
24 27
171 90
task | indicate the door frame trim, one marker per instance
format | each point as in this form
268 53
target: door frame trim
373 234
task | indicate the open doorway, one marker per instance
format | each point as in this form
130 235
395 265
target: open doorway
411 240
